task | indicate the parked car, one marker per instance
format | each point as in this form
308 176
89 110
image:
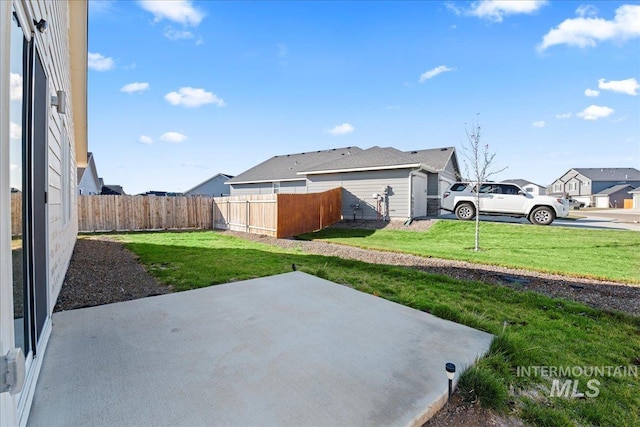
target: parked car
502 199
575 204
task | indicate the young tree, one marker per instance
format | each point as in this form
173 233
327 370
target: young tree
479 167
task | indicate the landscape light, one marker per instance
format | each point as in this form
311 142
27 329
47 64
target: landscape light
451 372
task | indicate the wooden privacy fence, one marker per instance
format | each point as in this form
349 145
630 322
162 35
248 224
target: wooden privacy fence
278 215
121 213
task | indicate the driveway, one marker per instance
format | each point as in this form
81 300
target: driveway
620 219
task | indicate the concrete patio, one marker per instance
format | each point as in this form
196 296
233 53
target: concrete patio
286 350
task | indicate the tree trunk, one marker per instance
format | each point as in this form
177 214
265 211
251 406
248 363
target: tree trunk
477 238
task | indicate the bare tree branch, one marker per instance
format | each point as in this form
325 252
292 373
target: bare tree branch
479 160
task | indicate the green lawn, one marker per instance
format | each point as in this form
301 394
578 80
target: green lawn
531 329
604 254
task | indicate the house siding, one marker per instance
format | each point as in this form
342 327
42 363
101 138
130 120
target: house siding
90 182
61 186
613 200
603 185
214 187
267 188
359 188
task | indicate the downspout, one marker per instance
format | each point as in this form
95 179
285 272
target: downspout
410 218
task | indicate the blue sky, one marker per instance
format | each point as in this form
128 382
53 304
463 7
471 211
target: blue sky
180 91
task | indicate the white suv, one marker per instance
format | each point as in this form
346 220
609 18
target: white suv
500 198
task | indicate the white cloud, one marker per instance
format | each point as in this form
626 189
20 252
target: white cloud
174 137
173 34
628 86
564 116
180 11
15 131
539 124
342 129
134 87
193 97
146 139
15 88
99 62
595 112
434 72
586 10
588 31
591 93
496 10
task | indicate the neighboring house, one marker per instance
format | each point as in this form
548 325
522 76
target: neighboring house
108 190
88 180
214 186
528 186
583 184
43 140
636 198
377 183
613 197
161 194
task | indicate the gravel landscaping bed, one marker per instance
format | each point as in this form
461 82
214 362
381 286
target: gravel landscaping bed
102 271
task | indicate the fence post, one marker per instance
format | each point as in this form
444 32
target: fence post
247 216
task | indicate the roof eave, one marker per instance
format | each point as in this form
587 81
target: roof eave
261 181
364 169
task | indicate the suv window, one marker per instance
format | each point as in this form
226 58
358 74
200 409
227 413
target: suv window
490 189
458 186
510 189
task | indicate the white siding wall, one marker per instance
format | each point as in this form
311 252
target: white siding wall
53 47
55 53
89 183
359 187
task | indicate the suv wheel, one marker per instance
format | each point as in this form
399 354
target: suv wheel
465 211
542 216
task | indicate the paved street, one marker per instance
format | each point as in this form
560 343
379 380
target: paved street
622 219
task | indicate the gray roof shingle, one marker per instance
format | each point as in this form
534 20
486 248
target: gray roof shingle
294 166
614 189
610 174
371 158
286 167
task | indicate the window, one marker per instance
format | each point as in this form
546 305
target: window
458 187
276 187
509 189
557 187
17 159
